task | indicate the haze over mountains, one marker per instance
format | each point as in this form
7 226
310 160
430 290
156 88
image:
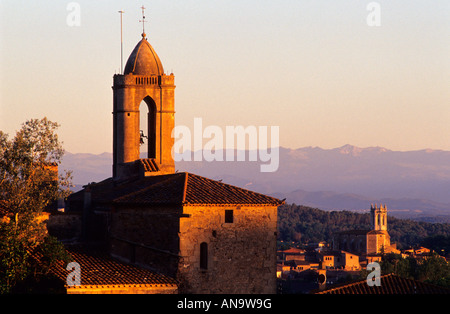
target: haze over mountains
414 184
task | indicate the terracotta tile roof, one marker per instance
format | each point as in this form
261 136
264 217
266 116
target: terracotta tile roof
149 165
390 284
171 189
157 190
98 269
201 190
293 250
190 189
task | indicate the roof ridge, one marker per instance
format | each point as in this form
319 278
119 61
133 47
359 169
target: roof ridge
186 176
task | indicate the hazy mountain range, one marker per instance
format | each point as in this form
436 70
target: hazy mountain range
412 183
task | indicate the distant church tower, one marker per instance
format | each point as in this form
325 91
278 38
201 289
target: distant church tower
143 80
367 242
378 217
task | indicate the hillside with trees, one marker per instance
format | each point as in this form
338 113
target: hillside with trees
305 224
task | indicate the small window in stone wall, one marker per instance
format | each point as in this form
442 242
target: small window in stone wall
229 216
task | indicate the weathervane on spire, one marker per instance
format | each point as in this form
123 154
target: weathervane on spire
143 21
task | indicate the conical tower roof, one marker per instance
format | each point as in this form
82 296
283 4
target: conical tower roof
144 60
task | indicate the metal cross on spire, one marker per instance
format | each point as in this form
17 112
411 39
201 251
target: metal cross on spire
143 21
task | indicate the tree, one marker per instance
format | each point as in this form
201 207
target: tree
395 263
29 183
438 243
434 269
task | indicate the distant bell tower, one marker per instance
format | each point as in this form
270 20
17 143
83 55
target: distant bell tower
143 79
378 217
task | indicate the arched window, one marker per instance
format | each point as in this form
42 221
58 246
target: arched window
204 255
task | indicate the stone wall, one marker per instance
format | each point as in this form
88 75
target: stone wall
372 244
377 242
146 237
129 92
64 226
241 254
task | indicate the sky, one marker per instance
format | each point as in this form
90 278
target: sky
316 69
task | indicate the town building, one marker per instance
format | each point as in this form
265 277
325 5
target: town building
415 251
301 265
339 260
291 254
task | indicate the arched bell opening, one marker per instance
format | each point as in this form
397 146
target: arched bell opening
147 127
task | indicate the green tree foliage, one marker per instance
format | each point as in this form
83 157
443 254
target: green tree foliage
395 263
315 225
29 183
432 269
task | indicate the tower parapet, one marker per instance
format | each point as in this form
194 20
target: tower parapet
121 80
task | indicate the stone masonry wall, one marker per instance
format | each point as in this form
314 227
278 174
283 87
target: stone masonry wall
65 226
241 254
146 237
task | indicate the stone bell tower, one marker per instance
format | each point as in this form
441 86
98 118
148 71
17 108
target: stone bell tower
378 217
143 80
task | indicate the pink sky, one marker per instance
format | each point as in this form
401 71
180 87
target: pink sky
313 68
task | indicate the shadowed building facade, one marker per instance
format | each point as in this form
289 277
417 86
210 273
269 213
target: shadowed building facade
209 236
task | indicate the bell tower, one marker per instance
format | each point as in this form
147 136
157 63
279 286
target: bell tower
143 79
378 217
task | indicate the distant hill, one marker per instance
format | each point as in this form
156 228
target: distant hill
374 172
88 167
412 183
419 209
